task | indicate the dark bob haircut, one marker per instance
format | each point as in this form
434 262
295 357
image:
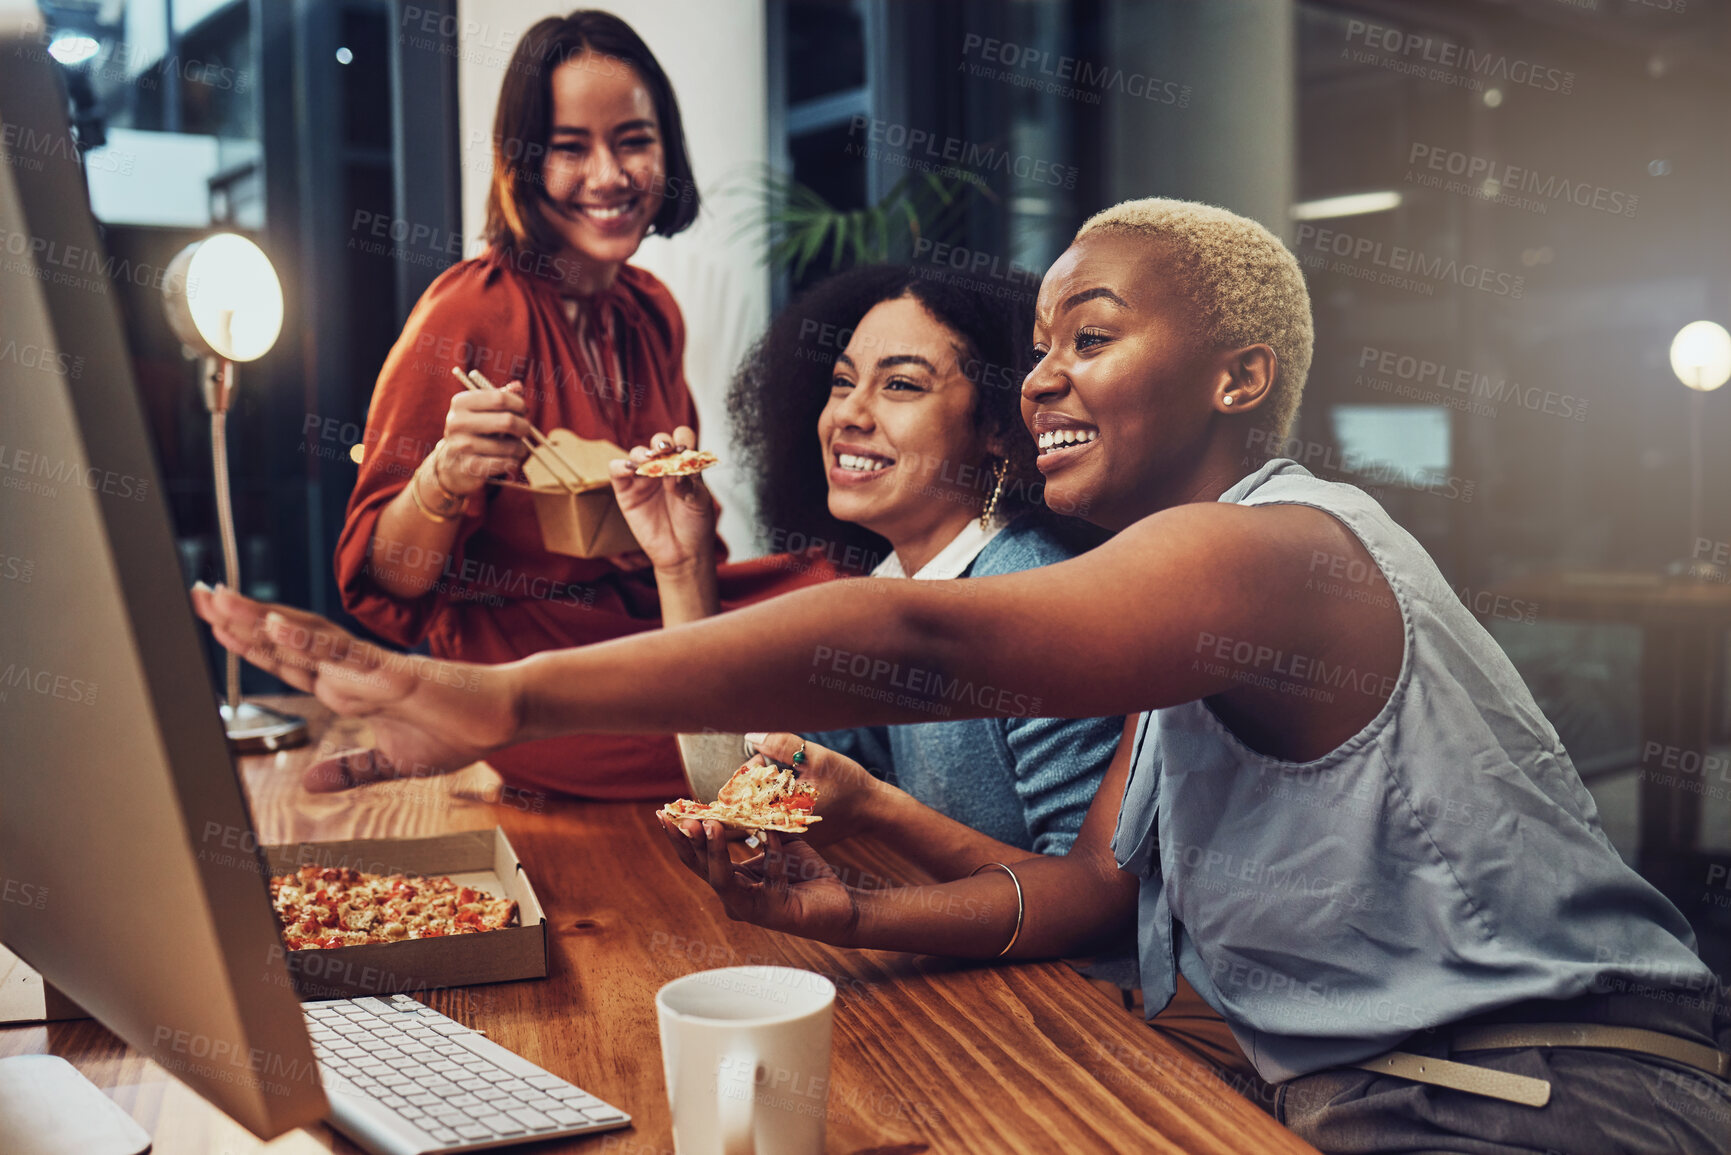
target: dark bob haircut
782 387
523 126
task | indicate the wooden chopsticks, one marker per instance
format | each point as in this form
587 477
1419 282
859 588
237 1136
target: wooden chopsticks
476 381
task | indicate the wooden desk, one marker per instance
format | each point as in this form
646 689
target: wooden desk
929 1055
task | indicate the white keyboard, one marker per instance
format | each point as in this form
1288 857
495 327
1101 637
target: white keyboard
403 1079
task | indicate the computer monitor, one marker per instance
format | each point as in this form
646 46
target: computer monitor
120 810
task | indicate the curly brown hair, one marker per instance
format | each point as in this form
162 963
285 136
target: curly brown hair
784 383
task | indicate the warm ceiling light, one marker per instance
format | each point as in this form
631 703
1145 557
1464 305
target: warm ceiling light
1701 355
73 48
1350 205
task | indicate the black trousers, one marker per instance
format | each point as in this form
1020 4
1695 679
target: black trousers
1602 1102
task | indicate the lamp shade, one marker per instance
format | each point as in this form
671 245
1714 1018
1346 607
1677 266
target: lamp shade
223 298
1701 355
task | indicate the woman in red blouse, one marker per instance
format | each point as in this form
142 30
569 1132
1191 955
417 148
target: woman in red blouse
589 158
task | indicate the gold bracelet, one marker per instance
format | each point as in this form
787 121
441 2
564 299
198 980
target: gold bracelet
433 469
415 496
1021 907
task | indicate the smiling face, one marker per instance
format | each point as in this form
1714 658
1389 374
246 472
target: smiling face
605 166
1118 401
901 452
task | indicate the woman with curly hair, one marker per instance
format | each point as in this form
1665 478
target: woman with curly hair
880 416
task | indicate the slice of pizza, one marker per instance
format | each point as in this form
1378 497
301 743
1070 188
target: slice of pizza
760 796
678 464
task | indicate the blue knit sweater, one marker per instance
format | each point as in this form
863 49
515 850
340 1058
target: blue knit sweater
1024 781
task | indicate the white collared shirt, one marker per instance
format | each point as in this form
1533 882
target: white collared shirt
952 560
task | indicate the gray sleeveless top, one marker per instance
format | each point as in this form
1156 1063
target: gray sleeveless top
1444 861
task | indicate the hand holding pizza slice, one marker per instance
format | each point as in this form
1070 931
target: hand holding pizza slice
667 461
760 796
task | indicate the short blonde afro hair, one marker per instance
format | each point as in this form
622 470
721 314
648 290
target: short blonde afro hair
1243 285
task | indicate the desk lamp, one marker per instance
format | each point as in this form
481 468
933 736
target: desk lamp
224 302
1701 359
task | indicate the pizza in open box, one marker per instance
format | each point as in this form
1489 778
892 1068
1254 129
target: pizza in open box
326 907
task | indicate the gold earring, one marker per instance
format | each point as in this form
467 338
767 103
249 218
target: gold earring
997 492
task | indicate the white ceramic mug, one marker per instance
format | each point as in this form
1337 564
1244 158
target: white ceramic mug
746 1052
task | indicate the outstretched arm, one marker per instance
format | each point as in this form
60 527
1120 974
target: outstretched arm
1114 631
1183 605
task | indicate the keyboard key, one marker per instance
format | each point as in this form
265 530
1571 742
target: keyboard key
473 1084
542 1102
502 1124
481 1110
567 1118
473 1131
533 1120
603 1113
464 1100
425 1100
446 1111
446 1135
513 1085
493 1093
546 1082
441 1087
452 1028
443 1066
495 1075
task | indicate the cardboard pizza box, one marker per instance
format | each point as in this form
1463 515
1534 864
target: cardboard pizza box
482 859
586 523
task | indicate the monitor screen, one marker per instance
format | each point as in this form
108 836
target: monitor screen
120 812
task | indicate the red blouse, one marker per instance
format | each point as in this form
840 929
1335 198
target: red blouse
502 595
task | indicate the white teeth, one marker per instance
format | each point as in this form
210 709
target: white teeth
858 464
608 214
1058 438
